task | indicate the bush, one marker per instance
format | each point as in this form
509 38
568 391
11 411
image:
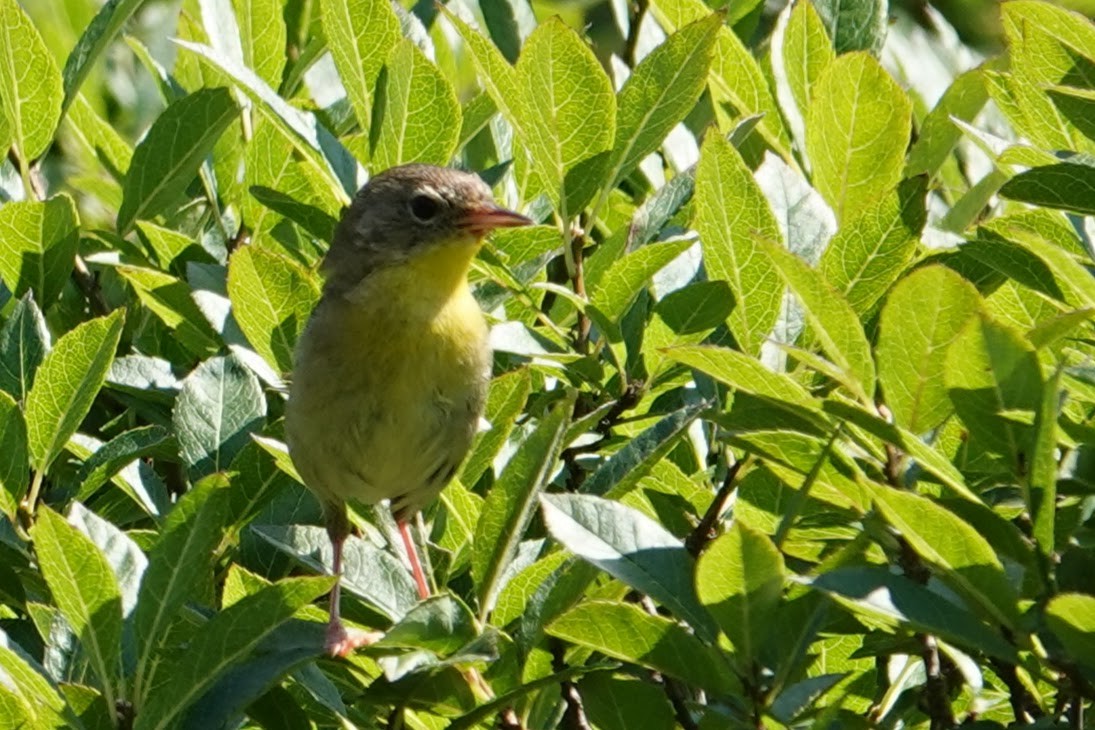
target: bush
794 382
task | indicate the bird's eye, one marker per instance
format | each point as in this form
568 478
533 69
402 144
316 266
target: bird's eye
424 207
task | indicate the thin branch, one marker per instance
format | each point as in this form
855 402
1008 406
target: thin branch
574 717
938 700
705 531
674 691
1024 707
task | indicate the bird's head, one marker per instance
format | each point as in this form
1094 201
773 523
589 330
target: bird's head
408 212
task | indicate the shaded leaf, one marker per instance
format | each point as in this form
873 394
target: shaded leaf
37 245
219 405
953 545
511 502
168 157
24 342
631 547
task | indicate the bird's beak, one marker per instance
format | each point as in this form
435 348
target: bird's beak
481 221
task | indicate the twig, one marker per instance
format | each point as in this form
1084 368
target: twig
574 717
705 531
632 40
673 689
939 706
1024 707
89 285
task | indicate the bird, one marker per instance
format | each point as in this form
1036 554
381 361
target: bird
391 370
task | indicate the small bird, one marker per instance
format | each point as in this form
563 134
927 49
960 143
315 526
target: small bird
391 371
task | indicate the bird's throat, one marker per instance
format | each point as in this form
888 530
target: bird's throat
420 286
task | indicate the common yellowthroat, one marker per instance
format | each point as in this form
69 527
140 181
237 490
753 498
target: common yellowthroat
391 371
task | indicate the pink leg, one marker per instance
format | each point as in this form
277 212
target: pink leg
341 641
412 555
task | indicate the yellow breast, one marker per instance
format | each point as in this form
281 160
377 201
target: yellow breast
389 383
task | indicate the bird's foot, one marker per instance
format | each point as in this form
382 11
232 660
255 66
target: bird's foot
342 642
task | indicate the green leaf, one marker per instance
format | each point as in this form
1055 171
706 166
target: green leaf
125 558
84 588
417 116
627 275
227 639
631 547
170 299
855 25
619 474
167 159
13 456
964 99
66 385
739 578
658 94
730 211
257 480
505 400
180 568
323 155
1071 617
24 342
262 38
440 624
807 51
498 77
32 695
219 405
360 34
1042 493
832 320
624 631
881 596
624 703
927 457
272 298
992 373
922 316
1061 263
872 248
742 372
95 39
951 544
567 99
857 130
30 86
1047 46
37 245
1065 186
373 575
117 453
737 83
511 503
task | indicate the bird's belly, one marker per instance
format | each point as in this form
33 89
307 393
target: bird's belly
388 409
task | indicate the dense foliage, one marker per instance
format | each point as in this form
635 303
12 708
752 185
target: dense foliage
794 381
